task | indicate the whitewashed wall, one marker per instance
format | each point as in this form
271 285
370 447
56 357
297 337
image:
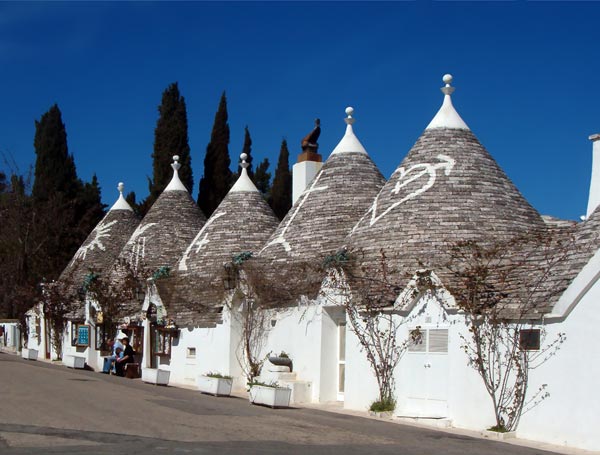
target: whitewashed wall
570 415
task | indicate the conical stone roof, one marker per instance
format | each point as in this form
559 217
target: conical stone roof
103 245
166 230
241 223
330 206
317 224
447 189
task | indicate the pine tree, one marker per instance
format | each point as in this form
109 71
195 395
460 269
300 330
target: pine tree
170 138
281 191
54 168
217 178
247 149
262 177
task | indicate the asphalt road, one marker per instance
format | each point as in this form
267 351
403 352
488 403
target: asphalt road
50 409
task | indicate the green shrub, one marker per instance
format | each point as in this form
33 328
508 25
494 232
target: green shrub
211 374
498 429
273 384
383 406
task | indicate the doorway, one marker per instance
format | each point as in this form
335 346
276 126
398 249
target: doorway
427 368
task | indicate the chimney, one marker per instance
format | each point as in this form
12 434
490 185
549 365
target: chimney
309 162
594 197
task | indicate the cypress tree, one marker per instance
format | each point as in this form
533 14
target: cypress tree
54 168
217 178
247 149
281 191
262 177
170 138
70 207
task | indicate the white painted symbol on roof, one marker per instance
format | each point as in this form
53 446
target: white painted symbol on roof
280 239
407 176
101 231
197 242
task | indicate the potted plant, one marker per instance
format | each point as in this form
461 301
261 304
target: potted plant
156 376
270 394
282 360
499 433
215 384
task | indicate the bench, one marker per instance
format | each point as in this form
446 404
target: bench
74 361
132 370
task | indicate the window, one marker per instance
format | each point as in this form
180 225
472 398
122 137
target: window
433 341
161 341
529 340
191 353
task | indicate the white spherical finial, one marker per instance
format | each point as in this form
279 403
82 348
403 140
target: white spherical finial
121 187
447 89
175 165
349 120
244 163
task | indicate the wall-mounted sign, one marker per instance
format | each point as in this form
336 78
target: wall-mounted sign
83 335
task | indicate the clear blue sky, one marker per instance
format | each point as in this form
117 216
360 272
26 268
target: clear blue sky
527 77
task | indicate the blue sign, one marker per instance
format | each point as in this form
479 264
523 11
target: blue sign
83 335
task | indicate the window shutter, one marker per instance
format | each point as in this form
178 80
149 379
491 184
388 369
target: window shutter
438 340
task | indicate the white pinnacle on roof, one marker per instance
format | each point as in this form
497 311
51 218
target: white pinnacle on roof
175 184
349 142
447 117
243 182
121 203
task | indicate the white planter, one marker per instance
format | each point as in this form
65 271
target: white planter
155 376
214 386
74 361
29 354
499 436
276 397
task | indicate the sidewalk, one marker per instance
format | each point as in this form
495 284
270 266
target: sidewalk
433 424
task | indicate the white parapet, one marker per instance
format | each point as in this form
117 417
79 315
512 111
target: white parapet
303 173
594 196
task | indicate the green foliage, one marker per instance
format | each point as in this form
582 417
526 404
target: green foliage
281 191
216 375
170 138
89 279
247 149
217 178
262 177
338 259
273 384
161 272
242 257
54 167
498 429
387 405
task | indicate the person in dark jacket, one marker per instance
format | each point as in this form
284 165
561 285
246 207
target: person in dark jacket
126 359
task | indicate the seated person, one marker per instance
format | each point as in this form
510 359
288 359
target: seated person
125 359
